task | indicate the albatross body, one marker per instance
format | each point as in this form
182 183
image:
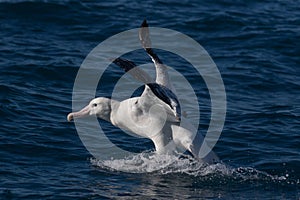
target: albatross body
156 114
147 116
139 116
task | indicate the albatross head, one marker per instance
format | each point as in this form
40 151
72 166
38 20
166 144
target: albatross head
100 107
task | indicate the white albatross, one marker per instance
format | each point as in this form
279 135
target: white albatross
155 114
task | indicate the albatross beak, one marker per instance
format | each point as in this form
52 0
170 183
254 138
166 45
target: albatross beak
82 113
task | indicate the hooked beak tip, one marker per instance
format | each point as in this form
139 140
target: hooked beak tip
82 113
70 117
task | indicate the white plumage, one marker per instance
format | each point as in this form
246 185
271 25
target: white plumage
155 114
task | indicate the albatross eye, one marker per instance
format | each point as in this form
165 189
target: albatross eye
94 105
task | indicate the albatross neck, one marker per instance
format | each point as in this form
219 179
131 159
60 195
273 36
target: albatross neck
109 108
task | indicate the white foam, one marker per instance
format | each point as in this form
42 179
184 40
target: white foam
145 163
172 164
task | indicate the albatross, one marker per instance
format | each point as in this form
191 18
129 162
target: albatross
156 114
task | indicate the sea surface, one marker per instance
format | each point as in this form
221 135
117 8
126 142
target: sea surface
255 45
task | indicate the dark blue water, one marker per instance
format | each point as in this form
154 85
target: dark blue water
255 46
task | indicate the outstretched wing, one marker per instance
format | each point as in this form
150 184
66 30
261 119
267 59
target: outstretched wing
162 76
144 36
136 72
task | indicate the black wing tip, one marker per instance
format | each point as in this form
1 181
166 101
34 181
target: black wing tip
124 63
117 61
153 55
144 24
149 51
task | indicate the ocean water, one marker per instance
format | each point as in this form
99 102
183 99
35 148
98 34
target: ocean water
255 45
